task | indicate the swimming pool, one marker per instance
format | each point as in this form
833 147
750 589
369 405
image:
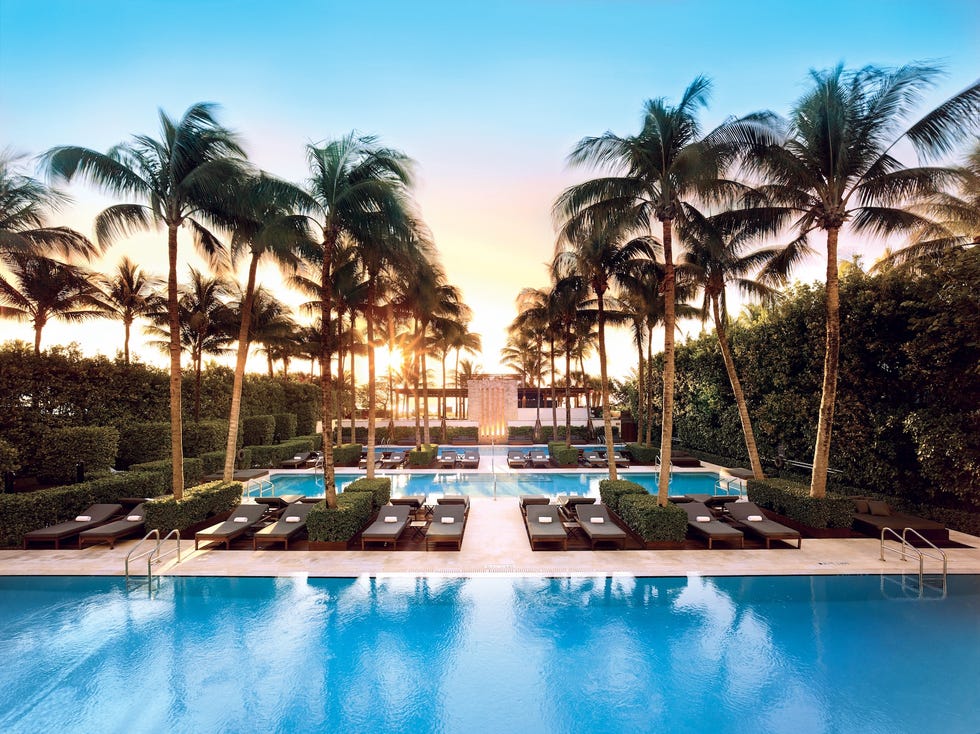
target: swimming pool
511 484
492 654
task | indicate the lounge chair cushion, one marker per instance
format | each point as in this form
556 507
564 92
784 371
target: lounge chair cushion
880 509
861 507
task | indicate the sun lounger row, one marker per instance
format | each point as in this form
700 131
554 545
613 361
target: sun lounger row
446 528
464 458
549 524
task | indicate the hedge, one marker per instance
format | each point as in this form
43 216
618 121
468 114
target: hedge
63 448
315 438
8 458
25 511
258 430
214 461
193 471
203 437
142 442
643 454
793 500
463 432
272 456
652 522
379 487
343 522
198 504
285 427
562 454
611 491
347 455
422 458
520 433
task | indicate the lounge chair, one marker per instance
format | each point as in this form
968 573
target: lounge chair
388 528
298 461
596 523
413 502
700 520
447 459
378 460
471 459
132 524
539 459
620 460
544 525
277 503
872 516
568 503
754 521
682 460
594 459
455 499
394 460
516 459
290 524
447 526
92 517
242 520
526 500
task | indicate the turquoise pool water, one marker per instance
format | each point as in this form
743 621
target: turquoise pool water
489 654
510 484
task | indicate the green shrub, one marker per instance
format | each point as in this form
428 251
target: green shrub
424 457
315 438
142 442
343 522
285 427
467 433
643 454
610 491
562 454
214 461
258 430
272 456
8 458
520 433
347 455
204 436
380 489
793 500
652 522
193 471
25 511
63 448
198 504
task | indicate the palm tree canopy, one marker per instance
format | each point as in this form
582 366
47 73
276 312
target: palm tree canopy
40 288
129 292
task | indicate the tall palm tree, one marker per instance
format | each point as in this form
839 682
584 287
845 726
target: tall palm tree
653 174
468 341
270 323
535 324
24 204
40 289
565 299
129 294
835 167
186 179
467 370
352 179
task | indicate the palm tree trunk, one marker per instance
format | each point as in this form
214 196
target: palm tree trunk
640 380
339 392
459 413
415 388
828 398
568 395
198 364
372 403
326 381
38 325
425 399
444 438
667 429
649 391
231 445
270 362
126 325
604 383
743 410
554 401
353 384
176 413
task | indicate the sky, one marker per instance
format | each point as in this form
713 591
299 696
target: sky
488 98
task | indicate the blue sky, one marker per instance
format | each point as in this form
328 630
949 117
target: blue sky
487 97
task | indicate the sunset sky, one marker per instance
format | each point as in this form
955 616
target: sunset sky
488 98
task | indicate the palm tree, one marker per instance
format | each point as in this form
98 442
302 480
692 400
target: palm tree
24 202
353 180
186 179
270 324
662 167
129 294
468 341
535 324
835 167
467 370
565 299
40 289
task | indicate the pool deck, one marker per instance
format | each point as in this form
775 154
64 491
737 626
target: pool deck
496 543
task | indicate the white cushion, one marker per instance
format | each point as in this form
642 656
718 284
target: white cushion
703 518
448 520
134 518
754 518
597 520
390 518
297 457
545 520
240 519
83 518
292 518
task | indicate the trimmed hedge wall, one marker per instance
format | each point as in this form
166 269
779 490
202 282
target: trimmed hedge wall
199 503
652 522
522 433
9 460
315 438
25 511
203 437
793 500
193 471
643 454
423 458
347 455
258 430
379 487
343 522
611 491
62 448
272 456
562 454
285 427
214 461
142 442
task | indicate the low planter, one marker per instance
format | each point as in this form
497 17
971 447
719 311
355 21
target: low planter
807 532
325 546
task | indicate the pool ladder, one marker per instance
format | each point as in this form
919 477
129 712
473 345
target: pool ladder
154 554
908 549
258 484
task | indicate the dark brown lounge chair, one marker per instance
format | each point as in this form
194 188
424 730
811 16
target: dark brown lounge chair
544 525
867 521
447 459
532 499
292 522
384 530
711 529
446 531
539 459
97 514
470 459
115 530
765 528
227 531
596 523
516 459
299 460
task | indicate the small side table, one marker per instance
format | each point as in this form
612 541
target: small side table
418 529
